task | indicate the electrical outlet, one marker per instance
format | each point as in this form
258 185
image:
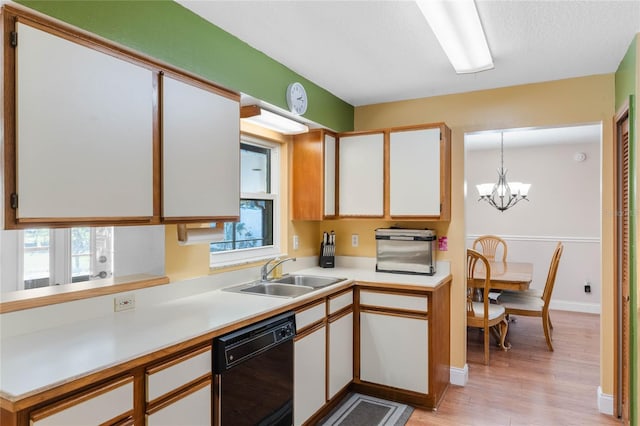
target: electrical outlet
587 287
296 242
124 302
354 240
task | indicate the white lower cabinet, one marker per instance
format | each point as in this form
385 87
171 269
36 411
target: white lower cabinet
106 404
394 351
191 408
179 391
309 375
340 353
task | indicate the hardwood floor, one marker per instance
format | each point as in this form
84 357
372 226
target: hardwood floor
529 385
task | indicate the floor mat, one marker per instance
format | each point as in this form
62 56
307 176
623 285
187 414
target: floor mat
362 410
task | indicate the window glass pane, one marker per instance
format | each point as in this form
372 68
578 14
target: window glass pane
91 253
255 228
80 254
254 165
36 266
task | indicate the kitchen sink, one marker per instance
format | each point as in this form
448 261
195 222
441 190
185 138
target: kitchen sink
308 280
289 286
277 289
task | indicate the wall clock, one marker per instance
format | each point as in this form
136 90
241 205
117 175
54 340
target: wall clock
297 98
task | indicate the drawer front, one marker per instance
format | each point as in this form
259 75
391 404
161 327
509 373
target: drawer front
339 302
192 408
171 375
97 407
393 301
309 316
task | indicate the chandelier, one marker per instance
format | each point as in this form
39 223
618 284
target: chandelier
503 195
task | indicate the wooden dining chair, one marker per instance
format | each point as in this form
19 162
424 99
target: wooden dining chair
487 316
527 304
489 245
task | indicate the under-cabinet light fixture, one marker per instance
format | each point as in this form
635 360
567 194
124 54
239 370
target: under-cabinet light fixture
262 117
457 27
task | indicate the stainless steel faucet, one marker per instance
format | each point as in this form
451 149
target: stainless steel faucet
265 271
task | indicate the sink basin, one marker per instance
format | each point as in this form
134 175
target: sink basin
308 280
277 289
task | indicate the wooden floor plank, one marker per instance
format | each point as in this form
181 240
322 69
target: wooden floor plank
529 385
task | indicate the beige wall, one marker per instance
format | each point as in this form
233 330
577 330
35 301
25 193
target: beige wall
564 102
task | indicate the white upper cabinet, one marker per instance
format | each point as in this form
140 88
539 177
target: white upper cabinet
200 152
361 175
84 132
414 173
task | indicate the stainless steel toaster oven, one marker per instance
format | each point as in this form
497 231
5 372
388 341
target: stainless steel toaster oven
406 251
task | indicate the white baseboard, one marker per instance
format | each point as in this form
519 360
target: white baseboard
459 376
563 305
605 402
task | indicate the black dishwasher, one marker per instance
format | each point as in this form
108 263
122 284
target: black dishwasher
253 373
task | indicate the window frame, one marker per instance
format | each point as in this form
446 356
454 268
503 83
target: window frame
60 258
248 255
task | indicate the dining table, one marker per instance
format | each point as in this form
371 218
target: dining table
506 275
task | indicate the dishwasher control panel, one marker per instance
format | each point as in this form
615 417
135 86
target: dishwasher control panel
235 347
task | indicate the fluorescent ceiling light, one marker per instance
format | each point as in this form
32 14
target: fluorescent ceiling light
457 27
273 121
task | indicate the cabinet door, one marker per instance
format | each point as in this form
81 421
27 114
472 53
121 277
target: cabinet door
361 175
394 351
309 375
104 405
329 175
193 408
313 176
84 133
200 152
340 353
414 173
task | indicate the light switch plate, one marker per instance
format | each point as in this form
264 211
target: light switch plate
296 242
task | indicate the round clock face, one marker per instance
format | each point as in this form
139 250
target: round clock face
297 98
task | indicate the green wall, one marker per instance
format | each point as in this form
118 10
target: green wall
169 32
626 89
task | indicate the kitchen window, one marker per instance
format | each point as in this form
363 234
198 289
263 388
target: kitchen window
256 235
59 256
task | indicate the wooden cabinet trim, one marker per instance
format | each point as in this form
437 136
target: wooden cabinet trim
163 365
383 310
339 293
179 393
406 289
309 305
310 329
82 397
339 314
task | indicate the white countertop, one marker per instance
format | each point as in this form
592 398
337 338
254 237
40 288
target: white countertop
33 362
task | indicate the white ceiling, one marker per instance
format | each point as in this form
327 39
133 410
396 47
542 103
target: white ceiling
367 52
